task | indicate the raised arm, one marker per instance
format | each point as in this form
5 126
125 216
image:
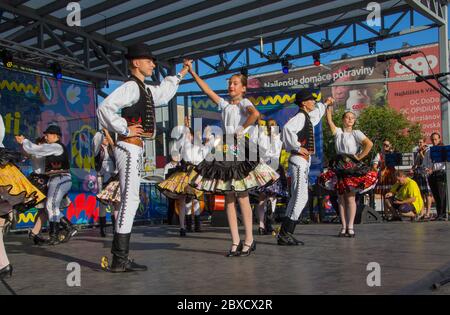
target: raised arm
330 121
205 87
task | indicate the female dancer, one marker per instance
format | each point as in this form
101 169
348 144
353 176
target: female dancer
351 175
236 174
108 179
192 154
15 189
271 145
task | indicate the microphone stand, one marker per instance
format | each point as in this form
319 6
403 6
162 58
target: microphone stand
437 89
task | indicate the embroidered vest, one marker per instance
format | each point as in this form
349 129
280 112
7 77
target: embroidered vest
306 135
58 163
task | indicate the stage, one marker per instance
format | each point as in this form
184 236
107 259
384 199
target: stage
412 256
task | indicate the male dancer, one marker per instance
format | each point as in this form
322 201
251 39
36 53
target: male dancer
299 140
137 101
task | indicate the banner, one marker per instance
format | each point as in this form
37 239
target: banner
416 100
29 103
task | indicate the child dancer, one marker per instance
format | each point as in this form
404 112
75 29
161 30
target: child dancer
271 145
108 179
234 176
299 140
177 186
351 175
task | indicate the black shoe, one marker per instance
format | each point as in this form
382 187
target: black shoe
343 232
69 230
6 272
261 231
189 223
54 233
237 252
251 248
285 240
197 224
351 232
285 236
182 232
102 221
37 239
121 262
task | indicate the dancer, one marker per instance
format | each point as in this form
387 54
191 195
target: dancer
235 175
57 168
15 189
348 175
299 140
271 146
177 186
169 170
107 177
136 101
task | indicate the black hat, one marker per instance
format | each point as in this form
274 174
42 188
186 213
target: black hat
304 95
139 51
53 129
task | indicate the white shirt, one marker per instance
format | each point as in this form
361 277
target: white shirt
108 165
193 153
38 164
428 163
234 116
296 123
42 150
2 132
126 96
169 166
348 142
270 147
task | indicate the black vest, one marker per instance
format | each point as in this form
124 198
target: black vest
57 163
306 135
143 112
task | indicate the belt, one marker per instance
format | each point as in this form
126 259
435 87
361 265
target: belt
132 140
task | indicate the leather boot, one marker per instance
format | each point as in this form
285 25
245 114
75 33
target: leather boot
69 230
113 222
189 223
120 250
284 238
53 233
102 221
197 224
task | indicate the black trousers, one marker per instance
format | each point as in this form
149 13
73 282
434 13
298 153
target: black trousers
437 181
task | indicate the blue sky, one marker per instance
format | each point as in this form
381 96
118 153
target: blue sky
415 39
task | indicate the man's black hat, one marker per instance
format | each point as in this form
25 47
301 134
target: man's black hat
139 51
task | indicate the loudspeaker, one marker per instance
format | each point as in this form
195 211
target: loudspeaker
366 214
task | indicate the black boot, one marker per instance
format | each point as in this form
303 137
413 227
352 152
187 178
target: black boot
197 224
69 230
102 221
291 230
189 223
53 231
113 222
120 249
37 239
284 237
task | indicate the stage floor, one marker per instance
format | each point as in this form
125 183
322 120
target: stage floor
412 256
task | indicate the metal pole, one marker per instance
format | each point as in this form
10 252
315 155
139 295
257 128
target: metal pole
444 67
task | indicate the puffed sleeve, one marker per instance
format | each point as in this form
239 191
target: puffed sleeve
42 150
108 112
164 92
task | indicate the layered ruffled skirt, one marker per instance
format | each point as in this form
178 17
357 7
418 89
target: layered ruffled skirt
111 192
348 175
233 173
15 188
177 185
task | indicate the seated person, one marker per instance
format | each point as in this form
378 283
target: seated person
404 199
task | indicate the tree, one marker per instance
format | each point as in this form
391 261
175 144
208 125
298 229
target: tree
378 123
